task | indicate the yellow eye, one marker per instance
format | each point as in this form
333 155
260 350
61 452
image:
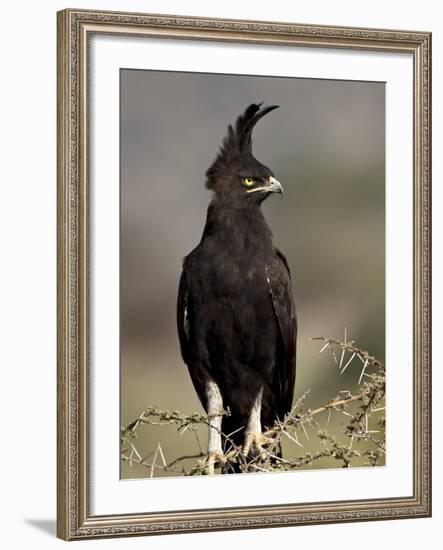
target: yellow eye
248 181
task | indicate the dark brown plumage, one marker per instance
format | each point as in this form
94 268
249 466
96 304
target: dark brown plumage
235 312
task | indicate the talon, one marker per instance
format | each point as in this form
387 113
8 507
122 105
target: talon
214 458
256 441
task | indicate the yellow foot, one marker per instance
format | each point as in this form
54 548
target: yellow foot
255 442
214 458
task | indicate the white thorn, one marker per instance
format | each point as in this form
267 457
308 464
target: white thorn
324 347
348 363
333 353
154 462
162 456
182 430
363 371
294 439
136 452
304 429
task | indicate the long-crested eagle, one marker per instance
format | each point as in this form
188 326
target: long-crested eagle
235 311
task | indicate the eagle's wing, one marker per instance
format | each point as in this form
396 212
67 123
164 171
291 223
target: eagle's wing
279 281
197 370
183 317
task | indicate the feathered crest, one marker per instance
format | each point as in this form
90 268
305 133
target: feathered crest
238 141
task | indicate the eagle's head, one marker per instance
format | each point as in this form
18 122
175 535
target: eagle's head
236 175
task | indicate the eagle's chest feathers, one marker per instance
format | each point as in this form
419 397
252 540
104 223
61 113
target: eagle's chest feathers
235 255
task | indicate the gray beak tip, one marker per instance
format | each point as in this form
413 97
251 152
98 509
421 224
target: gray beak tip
275 186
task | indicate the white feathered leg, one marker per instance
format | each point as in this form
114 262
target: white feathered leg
215 409
254 439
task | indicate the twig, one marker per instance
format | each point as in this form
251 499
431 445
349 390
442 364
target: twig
369 395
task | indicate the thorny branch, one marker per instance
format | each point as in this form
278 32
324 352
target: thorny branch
299 425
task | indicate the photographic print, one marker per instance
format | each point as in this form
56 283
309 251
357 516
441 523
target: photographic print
243 274
252 274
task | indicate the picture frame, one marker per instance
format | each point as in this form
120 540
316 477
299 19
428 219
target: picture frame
76 469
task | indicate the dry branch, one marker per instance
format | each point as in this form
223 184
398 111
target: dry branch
369 396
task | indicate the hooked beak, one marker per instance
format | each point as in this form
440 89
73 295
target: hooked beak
273 186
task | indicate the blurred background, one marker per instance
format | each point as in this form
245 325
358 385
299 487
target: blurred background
326 146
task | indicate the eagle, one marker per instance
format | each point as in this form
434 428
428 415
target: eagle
236 317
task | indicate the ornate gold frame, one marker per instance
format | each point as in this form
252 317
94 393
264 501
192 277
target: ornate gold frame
75 28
